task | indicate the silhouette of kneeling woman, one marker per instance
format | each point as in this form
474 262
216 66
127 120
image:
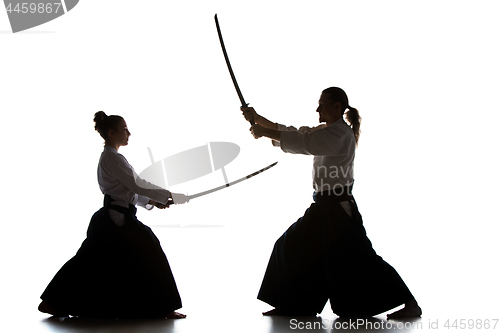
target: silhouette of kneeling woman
120 270
326 253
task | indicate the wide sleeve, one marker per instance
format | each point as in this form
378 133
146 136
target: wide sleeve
143 201
302 129
320 141
125 174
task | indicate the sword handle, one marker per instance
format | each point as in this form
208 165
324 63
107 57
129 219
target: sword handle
251 120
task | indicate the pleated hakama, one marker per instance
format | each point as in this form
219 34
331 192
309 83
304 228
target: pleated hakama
118 272
325 255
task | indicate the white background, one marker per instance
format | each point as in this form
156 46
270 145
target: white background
424 76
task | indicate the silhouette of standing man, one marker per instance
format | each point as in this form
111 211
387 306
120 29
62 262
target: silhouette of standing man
326 253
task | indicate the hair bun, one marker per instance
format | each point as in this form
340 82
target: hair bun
99 119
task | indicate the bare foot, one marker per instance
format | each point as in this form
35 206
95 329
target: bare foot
410 310
175 315
273 312
45 308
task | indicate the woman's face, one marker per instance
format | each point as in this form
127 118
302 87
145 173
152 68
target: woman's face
120 134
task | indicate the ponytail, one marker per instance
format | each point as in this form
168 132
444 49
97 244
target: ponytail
352 116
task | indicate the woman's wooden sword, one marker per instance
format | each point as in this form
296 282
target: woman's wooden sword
231 183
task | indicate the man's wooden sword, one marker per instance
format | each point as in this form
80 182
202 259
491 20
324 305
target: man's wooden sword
238 91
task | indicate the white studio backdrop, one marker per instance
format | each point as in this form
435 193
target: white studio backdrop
424 76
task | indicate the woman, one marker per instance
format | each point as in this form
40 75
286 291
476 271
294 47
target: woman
326 253
120 271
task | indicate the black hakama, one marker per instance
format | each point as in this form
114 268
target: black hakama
327 255
118 272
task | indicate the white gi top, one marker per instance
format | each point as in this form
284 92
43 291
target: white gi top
117 178
333 148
